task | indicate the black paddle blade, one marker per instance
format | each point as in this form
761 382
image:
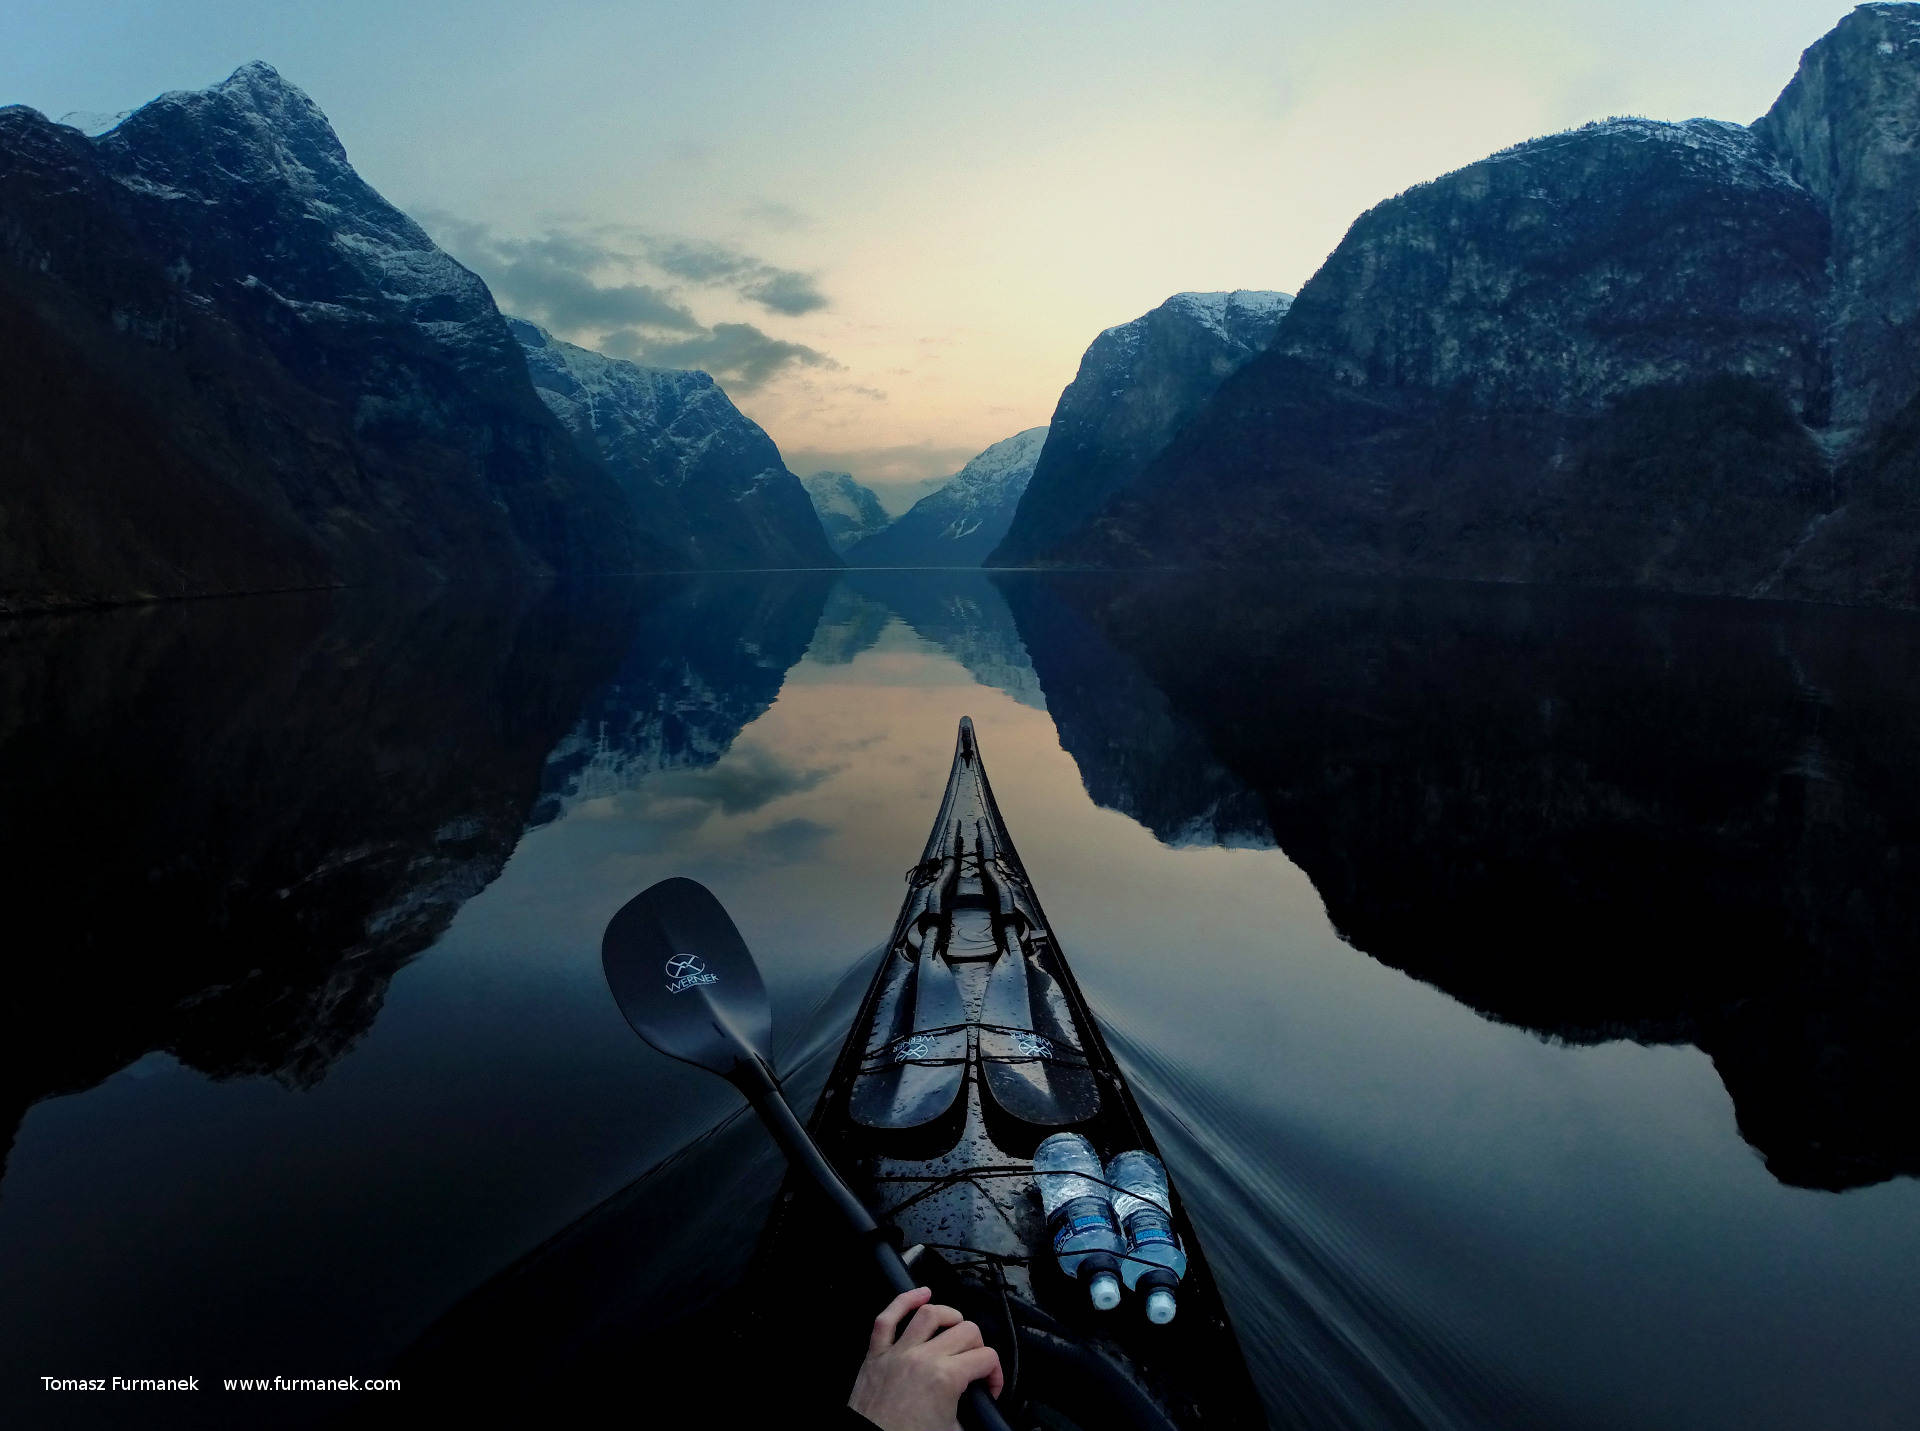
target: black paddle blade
684 978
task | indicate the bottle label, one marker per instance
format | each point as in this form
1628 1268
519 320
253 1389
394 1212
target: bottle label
1081 1215
1148 1226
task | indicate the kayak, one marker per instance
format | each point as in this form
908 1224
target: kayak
972 1046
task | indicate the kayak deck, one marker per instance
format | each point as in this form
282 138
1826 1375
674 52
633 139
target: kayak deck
972 1045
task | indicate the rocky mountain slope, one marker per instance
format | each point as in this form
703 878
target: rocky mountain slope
1646 354
704 479
228 364
1846 126
1138 384
848 510
961 522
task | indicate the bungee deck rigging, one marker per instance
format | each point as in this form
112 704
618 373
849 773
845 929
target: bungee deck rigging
966 983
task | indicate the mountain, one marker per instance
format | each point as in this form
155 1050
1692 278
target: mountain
959 523
228 364
1682 356
1138 384
848 511
1845 126
704 479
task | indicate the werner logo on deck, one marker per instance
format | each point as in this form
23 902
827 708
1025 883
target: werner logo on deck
687 971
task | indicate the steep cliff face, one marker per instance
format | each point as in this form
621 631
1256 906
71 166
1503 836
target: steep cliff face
230 364
1848 127
1637 354
1558 274
959 524
848 511
705 479
1138 384
1589 358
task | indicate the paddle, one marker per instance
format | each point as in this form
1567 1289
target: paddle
687 983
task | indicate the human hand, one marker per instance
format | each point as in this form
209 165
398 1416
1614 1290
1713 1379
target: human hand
914 1382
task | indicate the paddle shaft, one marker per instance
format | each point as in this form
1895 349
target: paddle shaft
752 1078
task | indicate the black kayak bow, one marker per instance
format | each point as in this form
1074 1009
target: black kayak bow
686 981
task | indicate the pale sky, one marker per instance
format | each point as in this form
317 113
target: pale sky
892 229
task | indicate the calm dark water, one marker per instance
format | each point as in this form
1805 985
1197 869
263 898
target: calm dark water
1523 985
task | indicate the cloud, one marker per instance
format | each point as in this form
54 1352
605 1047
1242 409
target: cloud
739 355
787 842
580 282
565 299
715 265
784 291
553 279
698 260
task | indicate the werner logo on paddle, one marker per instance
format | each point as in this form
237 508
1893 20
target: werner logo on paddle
687 971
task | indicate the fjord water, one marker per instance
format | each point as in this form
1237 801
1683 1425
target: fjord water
1521 984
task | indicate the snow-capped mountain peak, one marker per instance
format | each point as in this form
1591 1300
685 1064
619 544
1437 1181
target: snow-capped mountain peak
1000 471
1138 383
706 477
1228 315
848 510
257 149
962 521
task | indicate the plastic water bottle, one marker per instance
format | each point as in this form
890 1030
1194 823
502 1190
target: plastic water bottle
1080 1222
1155 1260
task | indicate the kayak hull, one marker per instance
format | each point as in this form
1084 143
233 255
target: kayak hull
973 1043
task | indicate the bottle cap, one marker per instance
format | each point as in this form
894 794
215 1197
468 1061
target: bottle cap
1160 1306
1105 1291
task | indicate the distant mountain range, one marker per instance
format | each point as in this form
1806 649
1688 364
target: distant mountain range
1673 355
961 522
227 364
847 509
1683 356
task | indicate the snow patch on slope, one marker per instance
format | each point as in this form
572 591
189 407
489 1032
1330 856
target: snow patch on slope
258 146
847 510
1219 312
683 411
1731 150
1228 315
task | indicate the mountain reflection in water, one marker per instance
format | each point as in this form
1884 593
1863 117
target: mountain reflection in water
308 1036
1596 817
237 819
